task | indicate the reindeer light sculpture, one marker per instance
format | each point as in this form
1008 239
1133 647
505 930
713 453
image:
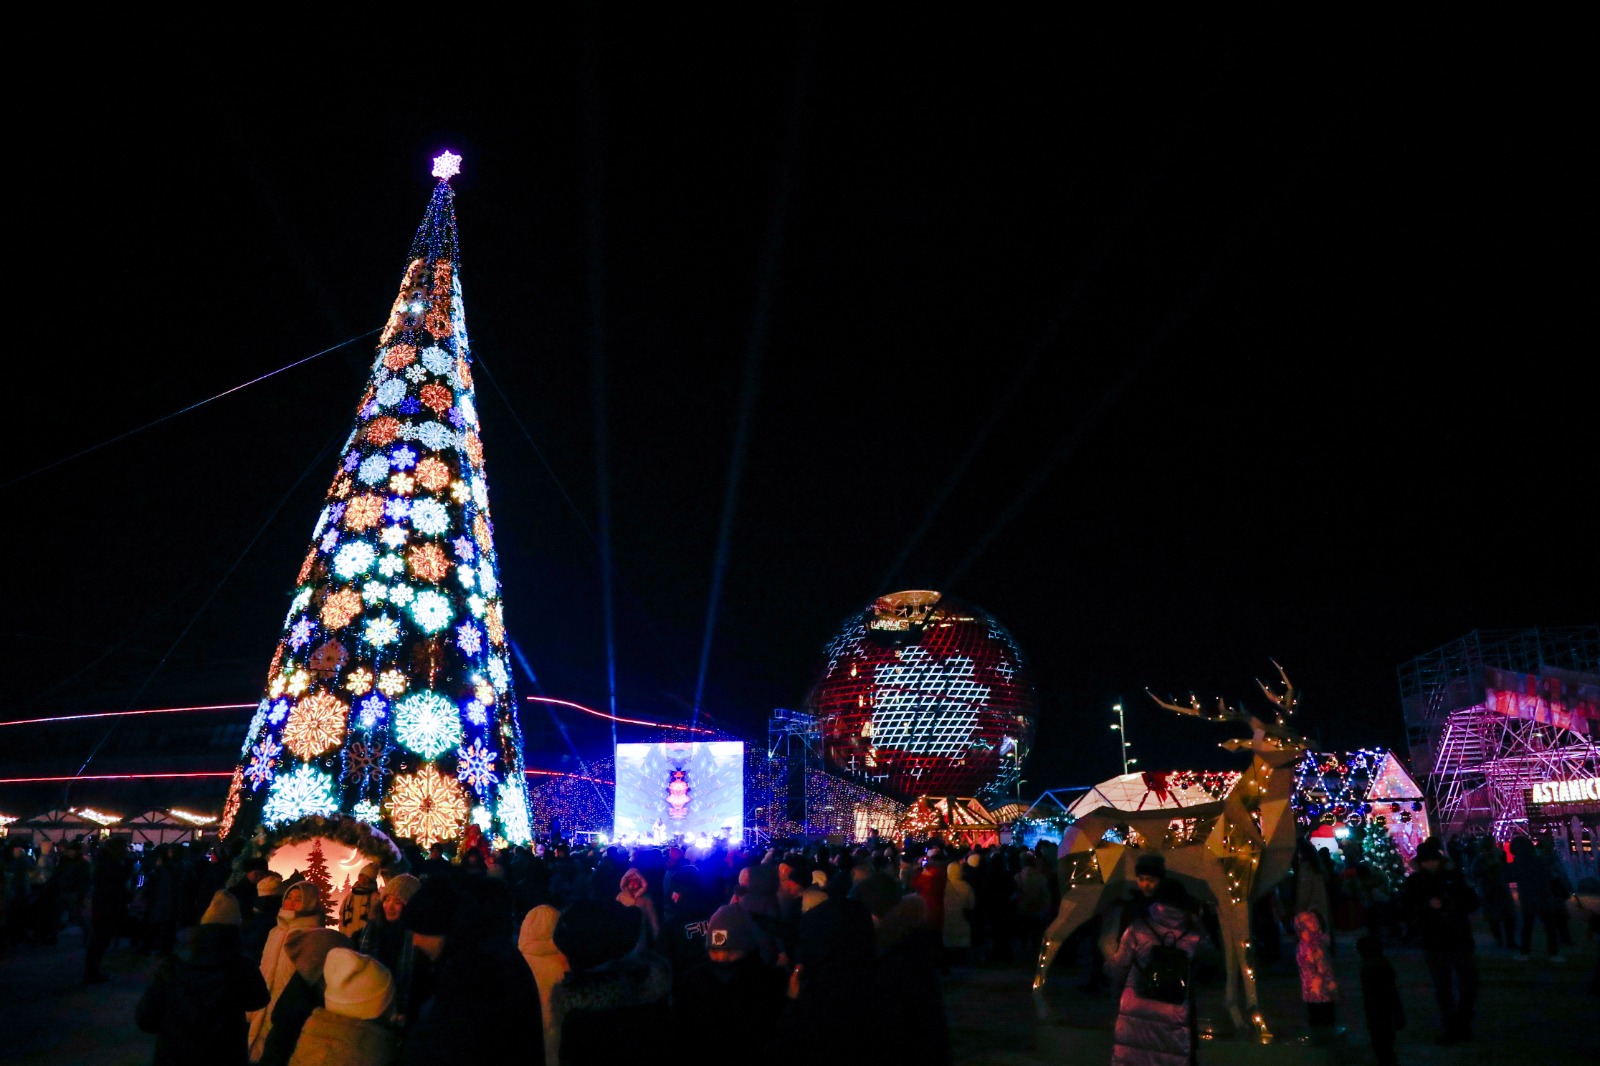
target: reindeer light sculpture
1228 853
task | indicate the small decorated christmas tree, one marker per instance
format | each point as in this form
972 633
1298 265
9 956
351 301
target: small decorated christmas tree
1379 850
317 874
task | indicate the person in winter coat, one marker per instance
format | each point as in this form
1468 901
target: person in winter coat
1317 985
929 883
1380 999
477 975
362 902
959 903
537 943
733 993
301 909
263 919
198 997
307 949
1534 896
1439 905
614 989
683 928
386 938
1150 1032
108 906
349 1030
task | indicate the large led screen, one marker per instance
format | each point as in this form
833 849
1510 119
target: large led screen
671 791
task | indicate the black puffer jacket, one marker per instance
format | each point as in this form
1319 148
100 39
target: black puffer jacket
596 1014
197 1000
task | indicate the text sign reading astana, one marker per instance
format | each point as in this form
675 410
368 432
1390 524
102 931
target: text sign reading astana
1583 791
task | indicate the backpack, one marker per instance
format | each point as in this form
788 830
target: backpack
1164 976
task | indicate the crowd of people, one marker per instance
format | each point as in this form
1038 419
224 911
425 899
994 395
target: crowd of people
566 952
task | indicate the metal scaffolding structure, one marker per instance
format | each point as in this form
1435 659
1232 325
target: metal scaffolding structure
794 743
1489 715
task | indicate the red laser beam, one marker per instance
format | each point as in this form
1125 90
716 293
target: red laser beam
120 714
619 718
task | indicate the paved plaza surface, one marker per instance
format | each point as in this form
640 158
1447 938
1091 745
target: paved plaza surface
1530 1013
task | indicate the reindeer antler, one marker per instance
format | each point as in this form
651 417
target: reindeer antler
1285 703
1220 713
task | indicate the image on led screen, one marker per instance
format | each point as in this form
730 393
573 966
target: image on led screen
666 791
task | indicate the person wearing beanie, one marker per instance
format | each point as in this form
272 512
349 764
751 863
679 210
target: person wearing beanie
959 904
301 909
1151 1029
197 998
477 974
536 941
733 993
1438 904
615 986
263 917
223 910
387 938
348 1030
362 902
307 949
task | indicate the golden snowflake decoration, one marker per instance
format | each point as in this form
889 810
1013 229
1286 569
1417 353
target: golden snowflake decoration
427 807
391 682
315 725
359 681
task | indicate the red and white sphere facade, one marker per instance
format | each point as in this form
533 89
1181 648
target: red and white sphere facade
924 695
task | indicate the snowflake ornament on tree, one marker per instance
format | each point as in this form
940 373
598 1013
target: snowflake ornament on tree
297 794
475 766
427 724
427 806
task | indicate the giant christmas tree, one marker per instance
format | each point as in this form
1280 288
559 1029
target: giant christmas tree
389 698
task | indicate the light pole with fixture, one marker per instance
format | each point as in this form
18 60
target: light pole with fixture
1121 726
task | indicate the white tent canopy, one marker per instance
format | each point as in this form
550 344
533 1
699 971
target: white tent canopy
1141 792
63 825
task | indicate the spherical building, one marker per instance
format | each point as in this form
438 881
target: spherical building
925 695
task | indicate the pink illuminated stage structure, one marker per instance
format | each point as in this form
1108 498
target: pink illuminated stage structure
924 695
1496 714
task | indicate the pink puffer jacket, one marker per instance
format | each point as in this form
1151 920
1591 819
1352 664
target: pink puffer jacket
1149 1032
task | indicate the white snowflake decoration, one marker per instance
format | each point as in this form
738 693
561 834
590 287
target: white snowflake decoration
463 547
393 537
280 711
430 517
382 630
402 594
438 360
427 724
372 709
297 794
353 559
366 811
396 508
476 604
467 576
431 610
486 578
329 539
263 760
469 638
477 713
469 410
481 818
499 676
300 634
480 493
257 720
403 458
433 435
322 521
374 468
475 766
391 565
374 592
514 813
391 392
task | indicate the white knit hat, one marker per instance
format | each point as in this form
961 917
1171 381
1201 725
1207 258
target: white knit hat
357 985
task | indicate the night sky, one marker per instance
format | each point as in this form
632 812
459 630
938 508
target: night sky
1177 354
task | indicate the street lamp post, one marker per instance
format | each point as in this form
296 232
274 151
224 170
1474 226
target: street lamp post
1121 726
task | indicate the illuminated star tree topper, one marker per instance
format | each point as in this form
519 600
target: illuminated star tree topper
446 165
